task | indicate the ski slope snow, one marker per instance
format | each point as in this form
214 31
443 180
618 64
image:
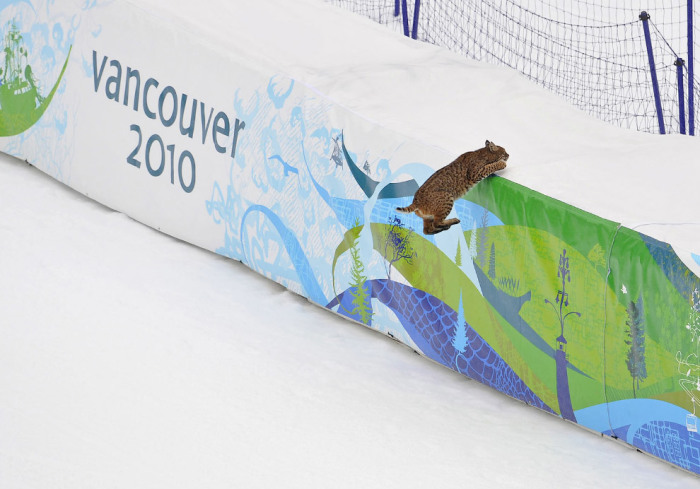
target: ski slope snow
131 359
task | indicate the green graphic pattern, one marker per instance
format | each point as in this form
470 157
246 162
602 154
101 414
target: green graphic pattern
21 103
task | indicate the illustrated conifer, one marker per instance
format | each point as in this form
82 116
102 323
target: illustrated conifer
636 361
694 320
492 262
688 364
358 286
482 239
473 248
359 293
460 340
458 257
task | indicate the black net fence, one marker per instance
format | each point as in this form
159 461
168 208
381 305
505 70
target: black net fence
626 62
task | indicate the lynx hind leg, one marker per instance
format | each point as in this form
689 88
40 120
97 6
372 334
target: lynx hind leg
449 223
445 207
430 226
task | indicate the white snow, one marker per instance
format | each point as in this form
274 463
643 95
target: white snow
131 359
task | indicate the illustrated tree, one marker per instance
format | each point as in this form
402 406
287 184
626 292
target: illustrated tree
458 257
460 340
689 365
473 248
482 239
397 245
358 291
694 320
636 361
492 262
562 301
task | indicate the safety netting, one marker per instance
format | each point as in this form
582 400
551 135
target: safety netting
625 64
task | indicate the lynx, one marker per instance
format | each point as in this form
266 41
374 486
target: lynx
433 201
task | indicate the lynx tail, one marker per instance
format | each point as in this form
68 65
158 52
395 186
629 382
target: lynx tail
407 210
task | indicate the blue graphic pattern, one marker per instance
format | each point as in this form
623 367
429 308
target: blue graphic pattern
432 324
301 263
289 155
672 442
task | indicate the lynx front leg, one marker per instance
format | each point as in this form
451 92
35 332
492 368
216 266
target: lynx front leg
493 167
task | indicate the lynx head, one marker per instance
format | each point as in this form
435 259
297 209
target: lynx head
486 161
495 153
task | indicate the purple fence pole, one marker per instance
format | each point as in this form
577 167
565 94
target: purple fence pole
416 9
404 11
691 80
644 17
681 98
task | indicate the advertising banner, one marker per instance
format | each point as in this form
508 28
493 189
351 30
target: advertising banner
558 308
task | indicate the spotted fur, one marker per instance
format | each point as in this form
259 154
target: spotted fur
433 201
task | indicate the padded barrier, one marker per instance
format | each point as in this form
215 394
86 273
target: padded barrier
561 309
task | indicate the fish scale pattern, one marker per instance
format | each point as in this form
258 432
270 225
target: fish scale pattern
435 322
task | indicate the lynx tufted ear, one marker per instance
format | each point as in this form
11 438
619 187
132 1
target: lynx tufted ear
490 145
